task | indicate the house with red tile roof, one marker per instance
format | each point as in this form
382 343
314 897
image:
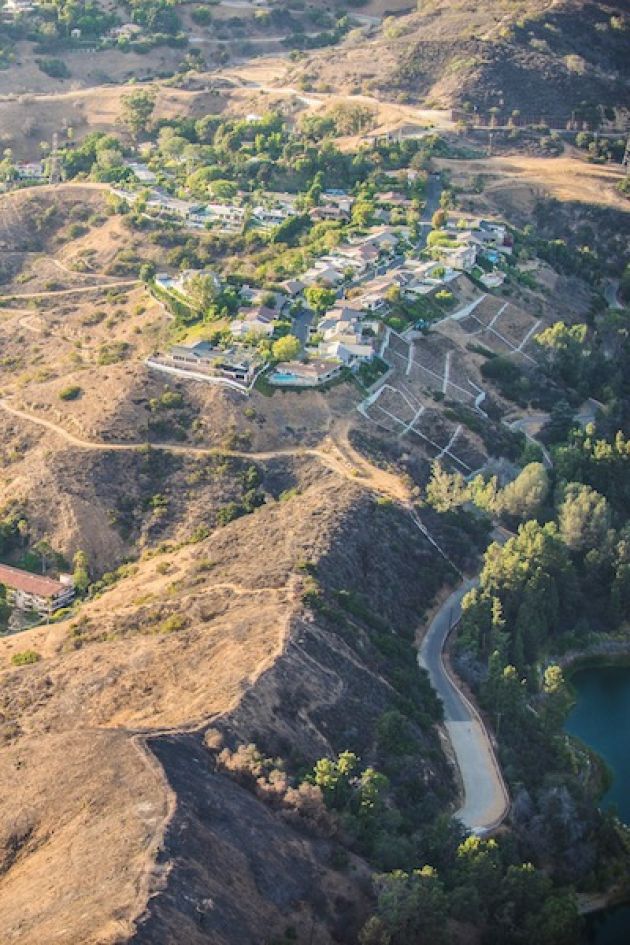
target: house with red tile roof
27 591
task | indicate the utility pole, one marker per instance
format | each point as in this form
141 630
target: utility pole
55 165
626 157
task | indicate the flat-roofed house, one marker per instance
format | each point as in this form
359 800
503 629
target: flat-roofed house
27 591
235 365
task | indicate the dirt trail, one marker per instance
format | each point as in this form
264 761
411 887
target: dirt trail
336 454
100 287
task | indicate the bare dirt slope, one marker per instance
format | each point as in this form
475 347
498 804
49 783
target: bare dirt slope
34 115
521 179
200 635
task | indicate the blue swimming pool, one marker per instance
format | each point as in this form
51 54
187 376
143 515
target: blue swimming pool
279 378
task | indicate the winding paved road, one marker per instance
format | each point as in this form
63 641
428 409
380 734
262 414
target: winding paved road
485 797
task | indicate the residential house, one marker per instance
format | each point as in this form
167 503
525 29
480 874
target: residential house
27 591
142 172
462 257
31 170
339 199
180 282
164 203
369 253
278 208
203 357
351 257
335 325
385 240
299 374
328 213
255 321
15 7
228 215
324 275
347 350
393 198
125 31
492 280
293 287
495 235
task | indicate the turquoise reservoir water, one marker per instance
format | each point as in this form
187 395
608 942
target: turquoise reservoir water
601 719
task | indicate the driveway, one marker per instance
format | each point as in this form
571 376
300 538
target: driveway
301 324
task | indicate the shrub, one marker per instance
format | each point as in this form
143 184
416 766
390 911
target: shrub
72 392
202 16
172 624
113 353
55 68
228 513
25 657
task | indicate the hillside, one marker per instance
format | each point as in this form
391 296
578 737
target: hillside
542 58
198 636
314 422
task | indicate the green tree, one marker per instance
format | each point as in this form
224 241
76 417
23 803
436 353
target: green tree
138 107
524 497
561 420
285 349
557 922
373 786
202 291
362 212
557 697
446 491
583 518
479 864
81 571
413 907
333 776
319 299
564 351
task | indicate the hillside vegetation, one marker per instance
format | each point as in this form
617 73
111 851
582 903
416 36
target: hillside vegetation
543 58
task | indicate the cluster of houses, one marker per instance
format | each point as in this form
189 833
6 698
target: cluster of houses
365 274
231 216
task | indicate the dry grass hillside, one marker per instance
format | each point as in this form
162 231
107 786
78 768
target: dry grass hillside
538 56
33 116
202 636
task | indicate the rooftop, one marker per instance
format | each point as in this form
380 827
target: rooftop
20 580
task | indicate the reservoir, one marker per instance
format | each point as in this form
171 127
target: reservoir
601 719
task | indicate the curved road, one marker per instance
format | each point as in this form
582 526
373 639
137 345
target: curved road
486 800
